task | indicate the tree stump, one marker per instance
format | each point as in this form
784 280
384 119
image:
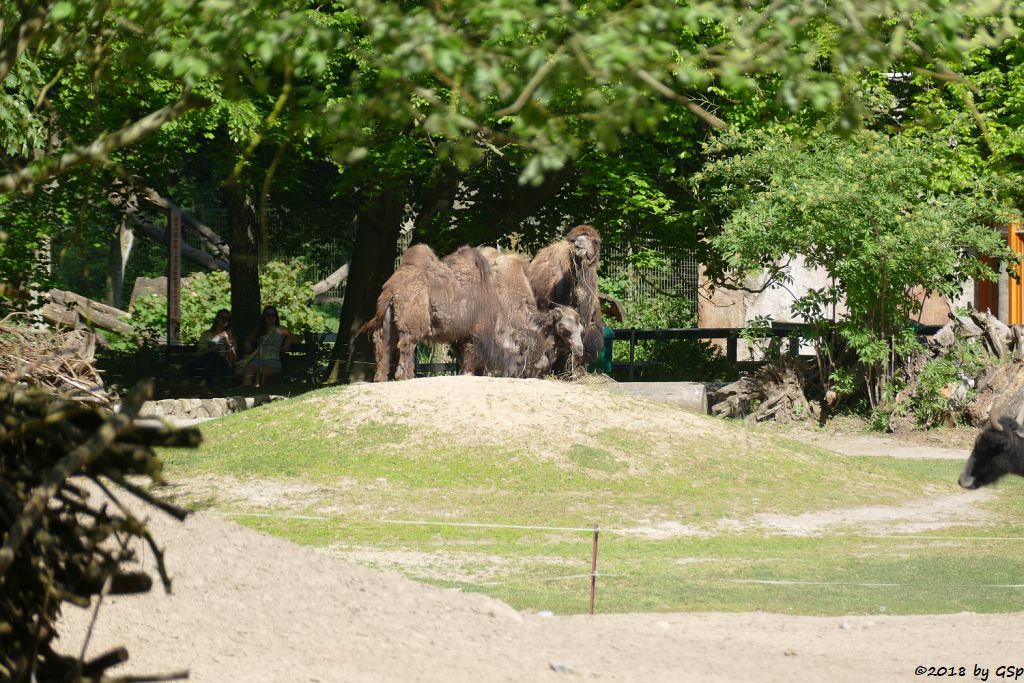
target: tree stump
774 392
1002 387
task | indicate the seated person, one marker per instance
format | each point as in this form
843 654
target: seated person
267 342
216 352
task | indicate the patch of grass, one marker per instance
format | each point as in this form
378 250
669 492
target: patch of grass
590 458
373 474
834 574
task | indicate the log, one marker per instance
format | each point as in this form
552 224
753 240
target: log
1001 387
777 390
187 250
207 235
59 315
996 334
332 280
92 313
62 296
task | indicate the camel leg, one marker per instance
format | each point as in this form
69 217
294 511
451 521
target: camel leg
469 359
384 345
406 356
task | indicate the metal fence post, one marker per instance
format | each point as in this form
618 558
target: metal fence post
632 350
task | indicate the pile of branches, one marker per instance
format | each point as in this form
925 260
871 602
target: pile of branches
63 361
997 338
999 381
67 534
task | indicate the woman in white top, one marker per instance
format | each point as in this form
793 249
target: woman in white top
268 340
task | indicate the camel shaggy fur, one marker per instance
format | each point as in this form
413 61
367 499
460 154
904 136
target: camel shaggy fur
566 273
536 335
451 301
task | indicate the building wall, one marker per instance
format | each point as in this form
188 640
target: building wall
729 308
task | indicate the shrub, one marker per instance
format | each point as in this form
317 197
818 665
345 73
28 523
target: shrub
282 284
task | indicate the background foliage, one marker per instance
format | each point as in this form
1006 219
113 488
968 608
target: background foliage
868 212
282 284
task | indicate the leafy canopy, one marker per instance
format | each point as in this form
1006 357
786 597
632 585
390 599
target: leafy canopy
866 211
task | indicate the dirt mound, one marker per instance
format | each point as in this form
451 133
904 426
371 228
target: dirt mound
473 404
542 416
248 607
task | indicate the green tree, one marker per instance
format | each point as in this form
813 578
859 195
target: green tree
870 212
466 79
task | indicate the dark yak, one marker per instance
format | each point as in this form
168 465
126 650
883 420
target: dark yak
998 451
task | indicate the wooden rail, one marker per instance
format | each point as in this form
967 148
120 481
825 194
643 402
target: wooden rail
793 331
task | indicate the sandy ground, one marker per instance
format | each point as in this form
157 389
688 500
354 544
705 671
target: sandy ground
249 607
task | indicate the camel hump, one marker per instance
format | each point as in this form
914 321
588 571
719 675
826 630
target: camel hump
419 255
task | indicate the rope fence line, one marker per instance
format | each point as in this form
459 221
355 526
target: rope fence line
623 532
857 584
769 582
272 515
484 525
596 530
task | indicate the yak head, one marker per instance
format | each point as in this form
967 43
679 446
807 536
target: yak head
998 451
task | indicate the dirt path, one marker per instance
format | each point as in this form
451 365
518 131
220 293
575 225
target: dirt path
249 607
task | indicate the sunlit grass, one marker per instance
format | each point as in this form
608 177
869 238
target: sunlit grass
616 479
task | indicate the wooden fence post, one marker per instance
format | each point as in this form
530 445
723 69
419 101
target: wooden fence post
174 275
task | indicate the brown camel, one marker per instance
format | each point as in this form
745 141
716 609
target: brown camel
566 273
452 301
536 335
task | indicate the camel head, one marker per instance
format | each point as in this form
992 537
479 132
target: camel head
568 329
585 244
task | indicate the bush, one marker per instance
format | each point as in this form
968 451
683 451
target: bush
283 285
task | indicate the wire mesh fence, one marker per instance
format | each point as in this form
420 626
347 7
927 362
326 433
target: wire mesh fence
643 271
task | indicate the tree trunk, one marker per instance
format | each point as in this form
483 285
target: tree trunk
245 274
373 262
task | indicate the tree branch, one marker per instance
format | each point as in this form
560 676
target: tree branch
30 23
668 93
98 150
531 85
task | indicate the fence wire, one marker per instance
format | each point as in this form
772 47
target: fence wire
563 578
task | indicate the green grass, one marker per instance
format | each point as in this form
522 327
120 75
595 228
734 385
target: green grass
365 477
